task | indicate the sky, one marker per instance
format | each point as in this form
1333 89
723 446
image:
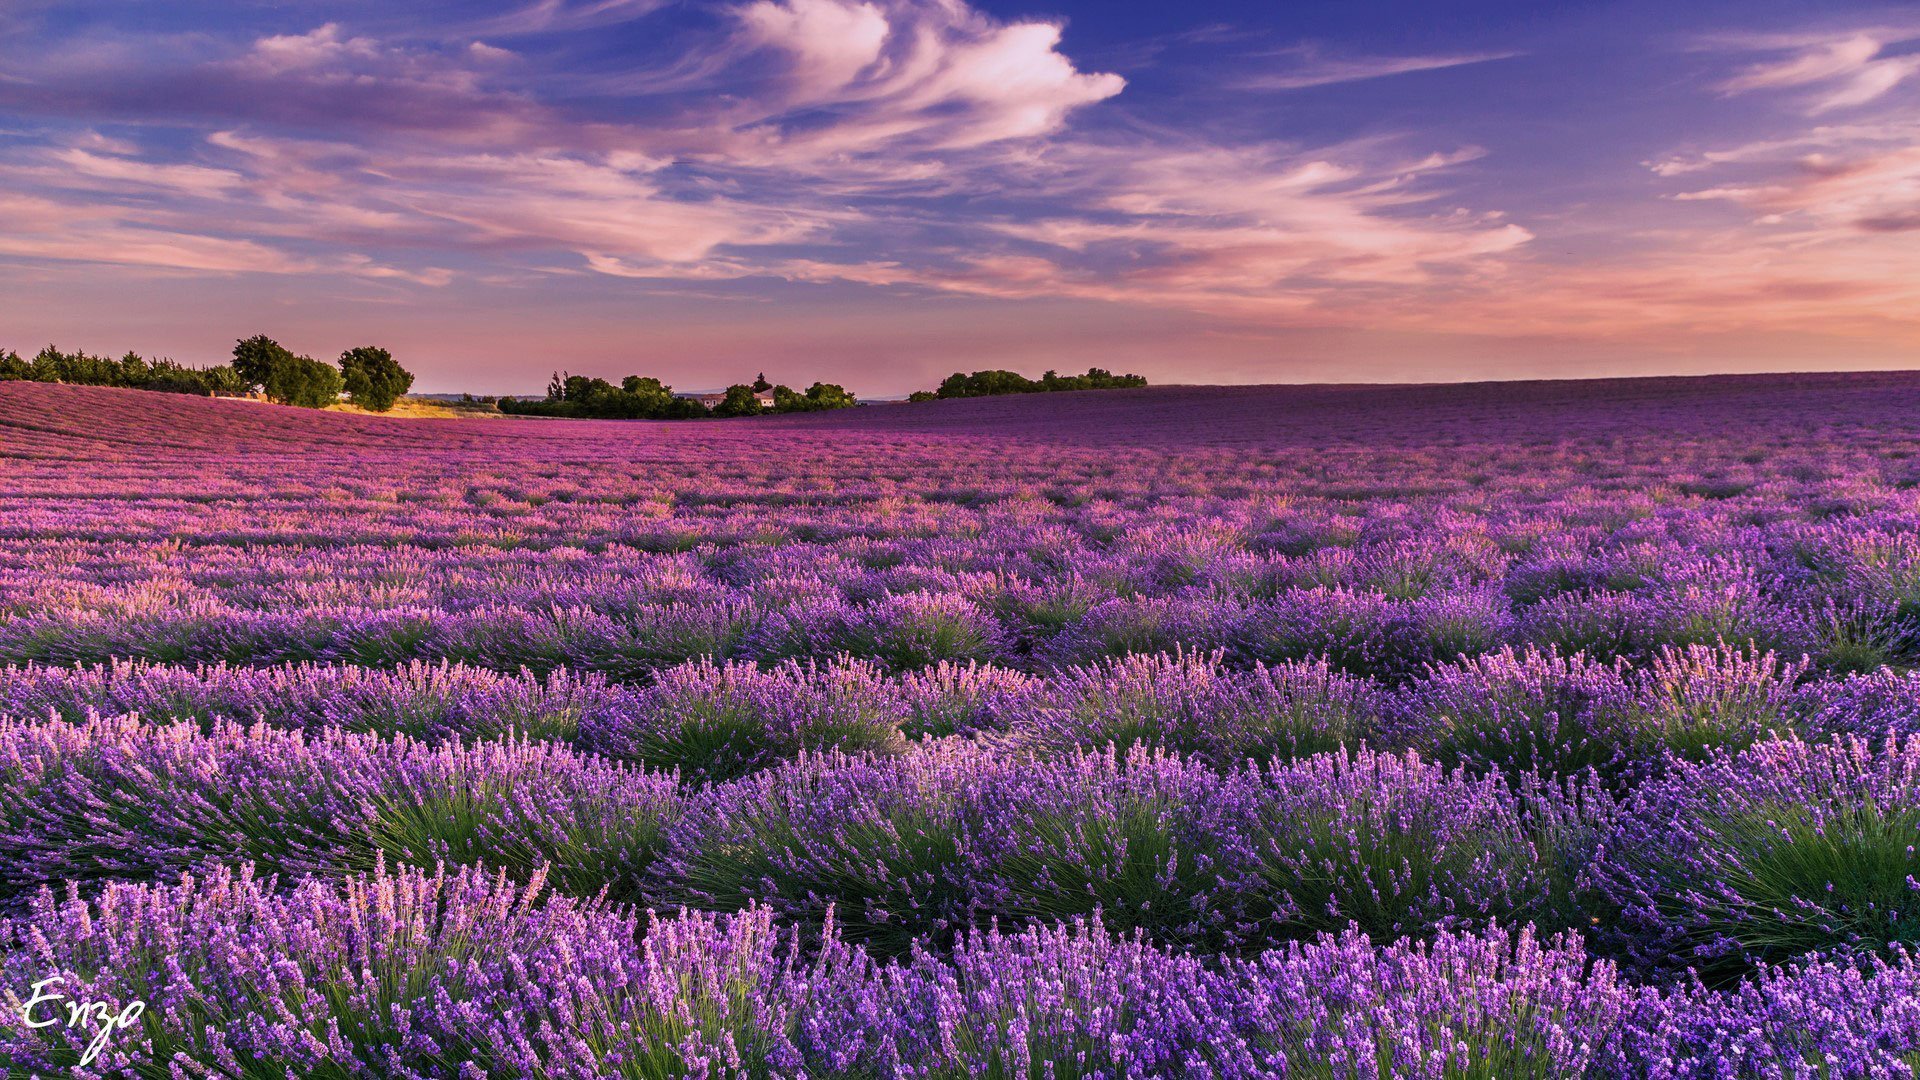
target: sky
880 192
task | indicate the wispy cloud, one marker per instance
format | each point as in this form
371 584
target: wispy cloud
847 130
1863 178
1841 70
1308 66
554 16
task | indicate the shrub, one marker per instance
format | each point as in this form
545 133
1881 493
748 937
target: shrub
1070 1001
1192 705
592 827
962 699
1700 698
1130 837
1783 849
629 647
1390 844
1491 1004
1603 625
416 974
916 630
1810 1020
1150 625
1523 712
433 702
715 722
1871 705
116 798
878 841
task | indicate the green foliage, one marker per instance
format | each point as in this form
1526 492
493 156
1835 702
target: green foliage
131 371
738 401
644 398
818 398
286 378
469 823
1814 878
373 377
995 381
255 358
821 396
892 869
306 382
1131 857
636 398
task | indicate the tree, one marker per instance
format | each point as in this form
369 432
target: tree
303 381
829 396
760 383
996 381
738 401
373 377
256 358
644 397
221 379
284 377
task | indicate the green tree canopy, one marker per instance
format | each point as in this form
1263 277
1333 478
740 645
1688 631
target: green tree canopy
373 377
304 381
255 358
738 401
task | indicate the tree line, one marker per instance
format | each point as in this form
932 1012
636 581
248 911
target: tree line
645 398
367 374
1000 381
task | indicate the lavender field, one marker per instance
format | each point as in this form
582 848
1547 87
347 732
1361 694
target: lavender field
1524 730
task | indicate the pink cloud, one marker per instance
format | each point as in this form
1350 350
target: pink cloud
1848 178
933 74
1845 70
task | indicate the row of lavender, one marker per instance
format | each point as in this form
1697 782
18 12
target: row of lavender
1515 712
1784 849
417 976
1384 609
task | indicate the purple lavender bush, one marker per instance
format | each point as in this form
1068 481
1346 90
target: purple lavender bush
1784 849
963 699
1395 846
718 721
1192 704
425 701
1523 712
1495 1004
424 975
880 840
1066 1000
1813 1019
116 798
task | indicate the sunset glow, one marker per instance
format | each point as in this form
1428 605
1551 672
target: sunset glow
877 192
